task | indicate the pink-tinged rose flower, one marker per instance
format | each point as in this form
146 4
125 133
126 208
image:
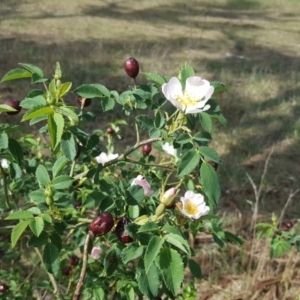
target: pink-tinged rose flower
193 99
168 196
104 158
96 252
141 181
193 205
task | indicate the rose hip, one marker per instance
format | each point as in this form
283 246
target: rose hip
123 237
131 67
102 224
13 104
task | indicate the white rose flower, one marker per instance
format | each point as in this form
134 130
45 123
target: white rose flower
193 205
4 163
104 158
193 99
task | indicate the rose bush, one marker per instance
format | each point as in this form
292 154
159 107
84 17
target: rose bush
140 207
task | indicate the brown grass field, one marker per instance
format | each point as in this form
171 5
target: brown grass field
253 46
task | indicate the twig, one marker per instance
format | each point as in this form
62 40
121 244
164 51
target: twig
122 157
76 295
291 195
56 291
5 187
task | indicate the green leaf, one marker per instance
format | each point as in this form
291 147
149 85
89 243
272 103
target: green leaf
155 77
160 119
20 214
53 89
195 269
16 74
67 112
183 138
15 150
206 121
62 182
32 69
135 195
149 226
42 175
38 196
37 111
17 232
30 103
152 251
38 241
210 182
171 266
37 119
131 252
92 91
179 242
133 211
64 89
145 122
5 108
107 103
59 165
219 87
202 137
55 127
210 153
149 282
186 72
68 145
189 161
3 140
51 259
15 171
36 225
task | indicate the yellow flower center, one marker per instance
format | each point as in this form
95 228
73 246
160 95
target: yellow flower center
187 99
191 208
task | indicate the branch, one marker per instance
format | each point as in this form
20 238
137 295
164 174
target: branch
76 295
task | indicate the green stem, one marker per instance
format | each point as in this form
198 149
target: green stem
122 157
137 133
72 168
6 199
147 165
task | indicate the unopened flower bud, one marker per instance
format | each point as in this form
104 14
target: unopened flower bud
168 197
141 220
160 210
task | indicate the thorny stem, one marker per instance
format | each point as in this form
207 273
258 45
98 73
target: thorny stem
137 133
76 295
148 165
5 188
122 157
56 291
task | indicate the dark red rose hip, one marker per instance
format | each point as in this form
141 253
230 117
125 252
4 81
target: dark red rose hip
13 104
131 67
87 101
67 270
288 224
73 260
109 130
123 237
3 288
102 224
146 149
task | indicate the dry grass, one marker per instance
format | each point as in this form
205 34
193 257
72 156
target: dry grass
251 45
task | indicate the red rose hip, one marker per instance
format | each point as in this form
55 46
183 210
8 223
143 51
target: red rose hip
110 131
131 67
66 270
73 260
87 101
13 104
3 288
146 149
102 224
288 224
123 237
